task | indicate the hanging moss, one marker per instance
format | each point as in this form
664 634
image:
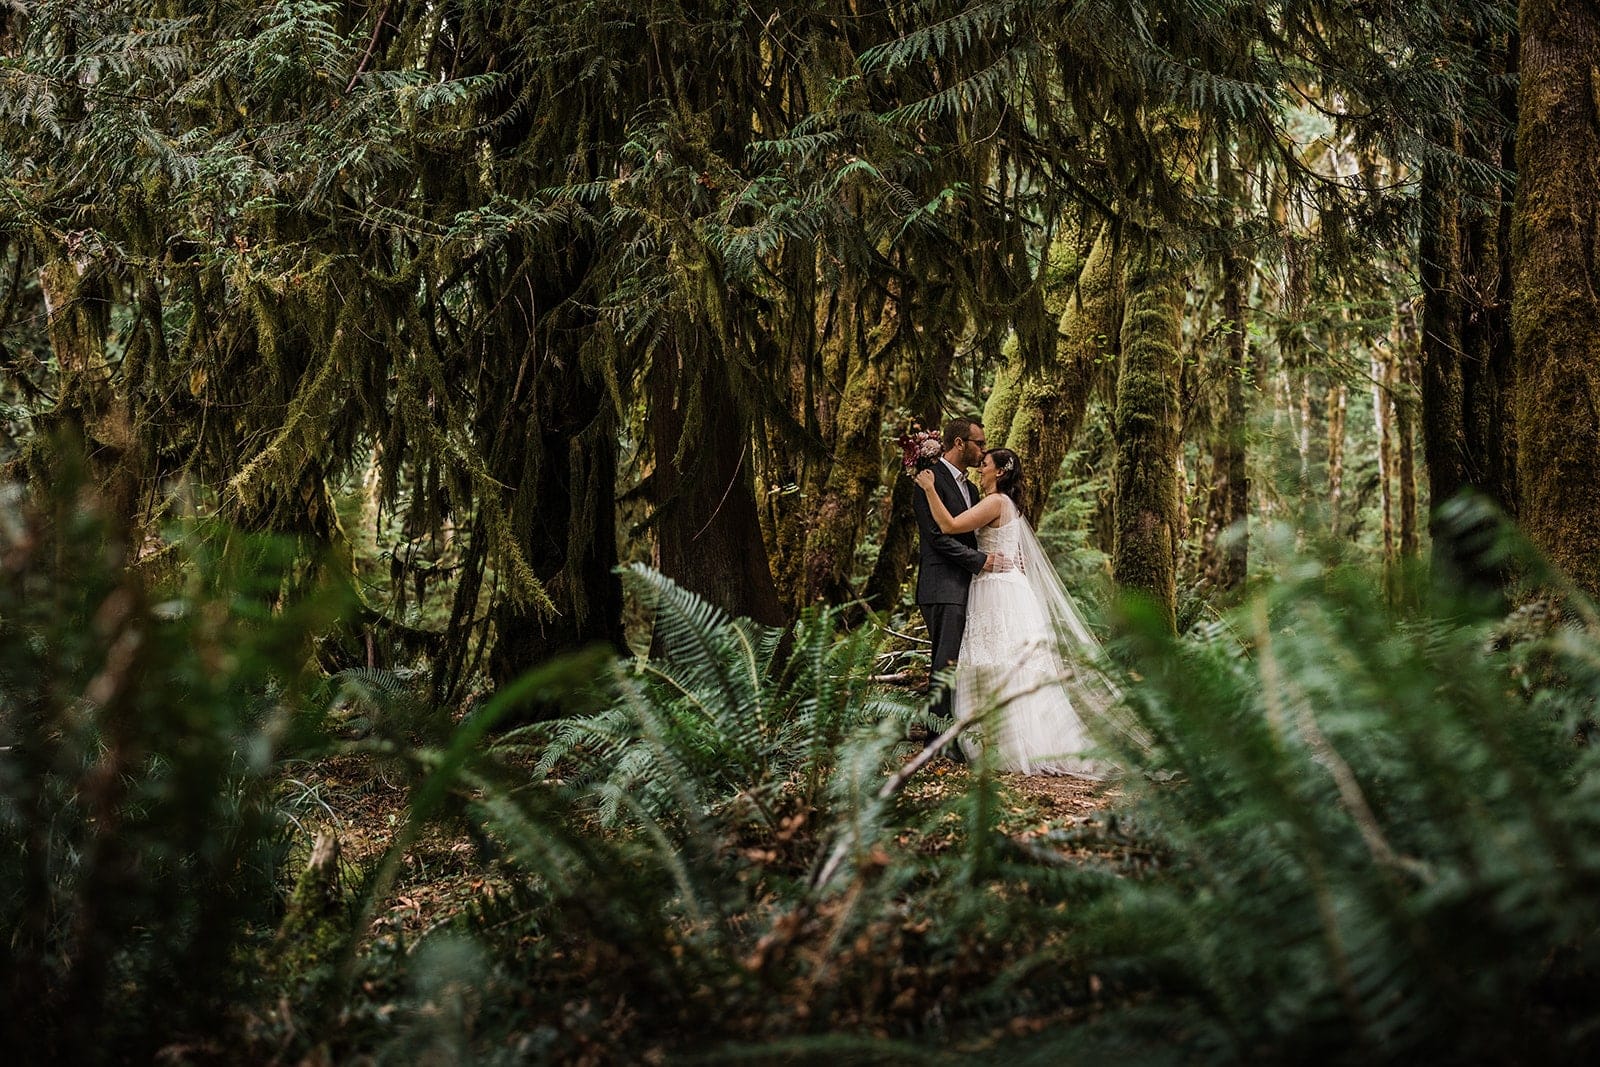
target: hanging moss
838 514
1050 400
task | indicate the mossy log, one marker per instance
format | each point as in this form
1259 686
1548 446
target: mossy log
316 922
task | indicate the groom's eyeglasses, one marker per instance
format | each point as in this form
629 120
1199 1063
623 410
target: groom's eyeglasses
979 441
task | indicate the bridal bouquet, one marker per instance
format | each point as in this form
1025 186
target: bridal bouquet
917 447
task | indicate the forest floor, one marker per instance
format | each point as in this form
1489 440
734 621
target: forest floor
363 802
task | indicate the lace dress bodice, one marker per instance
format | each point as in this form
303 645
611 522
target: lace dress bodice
1005 622
1002 539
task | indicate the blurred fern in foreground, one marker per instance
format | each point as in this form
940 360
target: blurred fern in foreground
139 849
1389 839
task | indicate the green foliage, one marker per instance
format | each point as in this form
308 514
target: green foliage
677 880
730 714
1389 844
139 730
1364 834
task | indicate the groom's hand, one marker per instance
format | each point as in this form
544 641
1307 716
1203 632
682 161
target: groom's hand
999 562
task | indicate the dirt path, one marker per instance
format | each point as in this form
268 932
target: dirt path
364 804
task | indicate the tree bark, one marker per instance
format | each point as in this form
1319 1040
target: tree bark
1556 305
934 351
563 516
836 515
1466 371
1144 558
1383 384
1050 401
1405 403
1225 556
1338 402
708 535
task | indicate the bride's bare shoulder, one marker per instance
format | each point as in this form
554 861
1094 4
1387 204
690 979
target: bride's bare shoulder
1005 511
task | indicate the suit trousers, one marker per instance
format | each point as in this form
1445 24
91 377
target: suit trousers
946 624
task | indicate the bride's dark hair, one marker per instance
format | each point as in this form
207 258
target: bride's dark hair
1008 469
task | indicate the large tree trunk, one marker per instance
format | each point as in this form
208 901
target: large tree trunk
1467 373
564 519
837 512
1047 403
708 535
1144 559
1556 305
549 429
933 353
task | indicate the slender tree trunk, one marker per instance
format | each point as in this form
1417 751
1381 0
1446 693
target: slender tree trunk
1147 527
1227 536
1303 437
1405 404
1338 401
1381 426
1556 307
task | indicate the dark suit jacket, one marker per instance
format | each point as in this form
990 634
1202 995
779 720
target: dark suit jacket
948 561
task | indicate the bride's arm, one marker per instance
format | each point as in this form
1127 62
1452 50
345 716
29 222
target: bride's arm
982 513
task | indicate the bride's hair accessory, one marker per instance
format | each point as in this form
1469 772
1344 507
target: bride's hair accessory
917 448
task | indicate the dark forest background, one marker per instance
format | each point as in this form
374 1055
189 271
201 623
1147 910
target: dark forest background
497 402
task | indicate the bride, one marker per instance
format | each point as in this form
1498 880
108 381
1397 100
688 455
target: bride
1010 670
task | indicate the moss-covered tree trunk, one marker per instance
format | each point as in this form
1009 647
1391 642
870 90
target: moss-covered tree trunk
1046 404
1556 283
1144 557
563 464
931 356
836 513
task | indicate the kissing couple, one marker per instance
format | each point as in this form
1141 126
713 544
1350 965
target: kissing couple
996 610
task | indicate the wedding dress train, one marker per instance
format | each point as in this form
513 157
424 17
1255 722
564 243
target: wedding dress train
1011 670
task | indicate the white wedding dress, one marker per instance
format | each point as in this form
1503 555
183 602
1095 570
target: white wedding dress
1012 672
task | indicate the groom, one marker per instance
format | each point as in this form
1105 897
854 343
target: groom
948 561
